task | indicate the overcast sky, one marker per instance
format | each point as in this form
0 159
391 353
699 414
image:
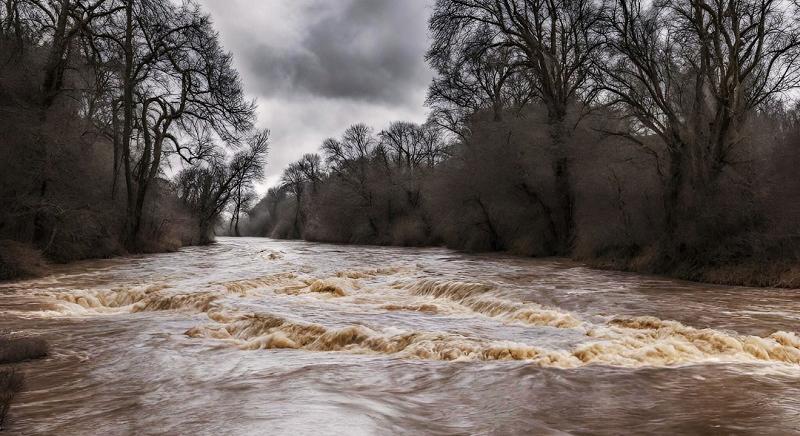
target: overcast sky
317 66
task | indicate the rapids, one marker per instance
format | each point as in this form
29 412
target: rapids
255 336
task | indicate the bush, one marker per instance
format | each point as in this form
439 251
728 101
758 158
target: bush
19 260
18 349
409 231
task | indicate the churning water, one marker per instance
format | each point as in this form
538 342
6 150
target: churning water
255 336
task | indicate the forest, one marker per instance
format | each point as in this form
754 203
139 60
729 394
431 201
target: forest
125 130
658 137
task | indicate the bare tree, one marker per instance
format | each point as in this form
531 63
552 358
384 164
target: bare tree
208 190
242 200
555 40
473 75
432 142
174 80
401 141
311 167
296 180
692 72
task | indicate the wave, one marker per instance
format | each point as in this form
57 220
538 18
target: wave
670 344
243 286
265 331
369 273
272 255
473 296
326 287
651 341
622 341
425 308
333 287
135 299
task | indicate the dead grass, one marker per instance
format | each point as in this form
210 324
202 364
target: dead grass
754 272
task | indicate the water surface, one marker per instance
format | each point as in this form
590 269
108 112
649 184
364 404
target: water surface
255 336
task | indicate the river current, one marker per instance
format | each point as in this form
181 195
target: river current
257 336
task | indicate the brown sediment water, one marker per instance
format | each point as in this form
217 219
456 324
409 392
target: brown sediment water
255 336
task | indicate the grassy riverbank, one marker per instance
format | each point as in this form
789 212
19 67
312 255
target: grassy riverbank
759 273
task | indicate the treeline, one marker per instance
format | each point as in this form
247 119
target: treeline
125 129
368 188
653 136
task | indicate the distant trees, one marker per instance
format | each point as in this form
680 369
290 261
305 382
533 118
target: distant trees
410 146
209 189
297 177
363 188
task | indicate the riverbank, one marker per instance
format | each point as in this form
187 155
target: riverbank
22 261
762 272
751 272
25 262
782 275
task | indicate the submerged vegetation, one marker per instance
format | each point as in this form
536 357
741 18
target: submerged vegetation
14 350
657 137
11 382
125 129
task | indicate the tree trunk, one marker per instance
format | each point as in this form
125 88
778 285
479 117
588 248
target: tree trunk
490 228
672 191
57 59
127 124
117 157
147 170
563 184
205 231
533 197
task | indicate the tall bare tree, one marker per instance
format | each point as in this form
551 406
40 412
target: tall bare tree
692 72
473 75
174 80
555 41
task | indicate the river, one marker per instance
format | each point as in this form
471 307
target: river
257 336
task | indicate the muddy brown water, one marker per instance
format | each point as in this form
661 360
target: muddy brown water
256 336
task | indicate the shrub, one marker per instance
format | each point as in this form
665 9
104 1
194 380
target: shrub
19 260
18 349
409 231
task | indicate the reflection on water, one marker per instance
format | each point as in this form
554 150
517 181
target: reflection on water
253 336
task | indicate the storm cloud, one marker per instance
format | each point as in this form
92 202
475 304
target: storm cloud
317 66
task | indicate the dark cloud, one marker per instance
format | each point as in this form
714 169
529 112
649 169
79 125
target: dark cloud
317 66
367 50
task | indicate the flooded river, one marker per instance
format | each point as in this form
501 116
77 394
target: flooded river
255 336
